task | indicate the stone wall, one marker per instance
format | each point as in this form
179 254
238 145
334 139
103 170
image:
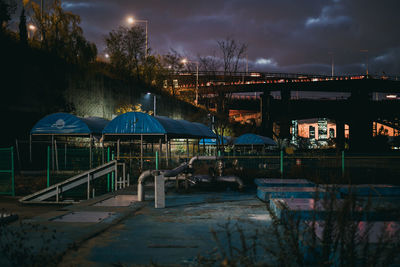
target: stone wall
94 94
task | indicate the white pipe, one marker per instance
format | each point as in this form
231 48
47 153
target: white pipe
174 172
142 178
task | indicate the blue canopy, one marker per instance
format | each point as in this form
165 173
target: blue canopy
212 141
138 123
68 124
134 123
253 139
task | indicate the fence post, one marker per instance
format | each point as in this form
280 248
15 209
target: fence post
343 163
156 160
281 163
12 172
108 175
112 174
48 166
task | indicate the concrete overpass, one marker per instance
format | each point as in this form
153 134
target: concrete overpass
358 110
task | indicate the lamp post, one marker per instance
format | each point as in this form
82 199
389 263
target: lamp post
184 61
132 21
366 52
154 103
31 28
332 64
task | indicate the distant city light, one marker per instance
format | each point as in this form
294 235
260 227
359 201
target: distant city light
391 96
107 55
184 61
32 27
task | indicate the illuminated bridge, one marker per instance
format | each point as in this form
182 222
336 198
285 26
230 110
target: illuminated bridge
358 106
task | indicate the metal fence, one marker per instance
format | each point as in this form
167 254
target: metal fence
61 162
7 171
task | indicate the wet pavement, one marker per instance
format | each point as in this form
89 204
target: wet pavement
175 235
116 229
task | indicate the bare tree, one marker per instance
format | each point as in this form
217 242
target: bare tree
209 64
172 63
232 52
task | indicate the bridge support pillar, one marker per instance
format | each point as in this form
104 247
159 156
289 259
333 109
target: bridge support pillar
360 122
266 119
340 138
285 121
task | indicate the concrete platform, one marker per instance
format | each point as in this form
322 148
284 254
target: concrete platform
307 209
176 235
371 190
277 182
85 216
376 229
266 193
55 232
117 201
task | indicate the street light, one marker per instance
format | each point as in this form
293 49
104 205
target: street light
184 61
32 28
154 103
132 21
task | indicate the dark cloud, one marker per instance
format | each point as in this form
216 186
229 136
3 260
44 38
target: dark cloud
284 35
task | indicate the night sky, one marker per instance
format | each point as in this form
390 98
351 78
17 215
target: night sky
282 35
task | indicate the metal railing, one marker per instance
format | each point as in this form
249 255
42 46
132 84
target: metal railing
83 178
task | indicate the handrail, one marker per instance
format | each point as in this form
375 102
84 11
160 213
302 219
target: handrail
100 171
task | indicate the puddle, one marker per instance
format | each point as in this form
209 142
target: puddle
83 216
117 201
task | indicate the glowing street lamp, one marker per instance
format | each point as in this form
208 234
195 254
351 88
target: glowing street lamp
32 28
184 61
132 21
154 103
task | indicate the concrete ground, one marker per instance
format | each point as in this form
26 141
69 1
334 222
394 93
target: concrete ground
96 233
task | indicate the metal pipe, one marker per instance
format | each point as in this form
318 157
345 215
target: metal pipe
142 178
202 158
231 179
176 171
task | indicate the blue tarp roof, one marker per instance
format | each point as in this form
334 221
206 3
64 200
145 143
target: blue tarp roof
68 124
135 123
212 141
253 139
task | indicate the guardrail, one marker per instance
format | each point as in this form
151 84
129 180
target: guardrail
86 177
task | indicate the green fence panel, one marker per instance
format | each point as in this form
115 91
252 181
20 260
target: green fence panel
7 184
